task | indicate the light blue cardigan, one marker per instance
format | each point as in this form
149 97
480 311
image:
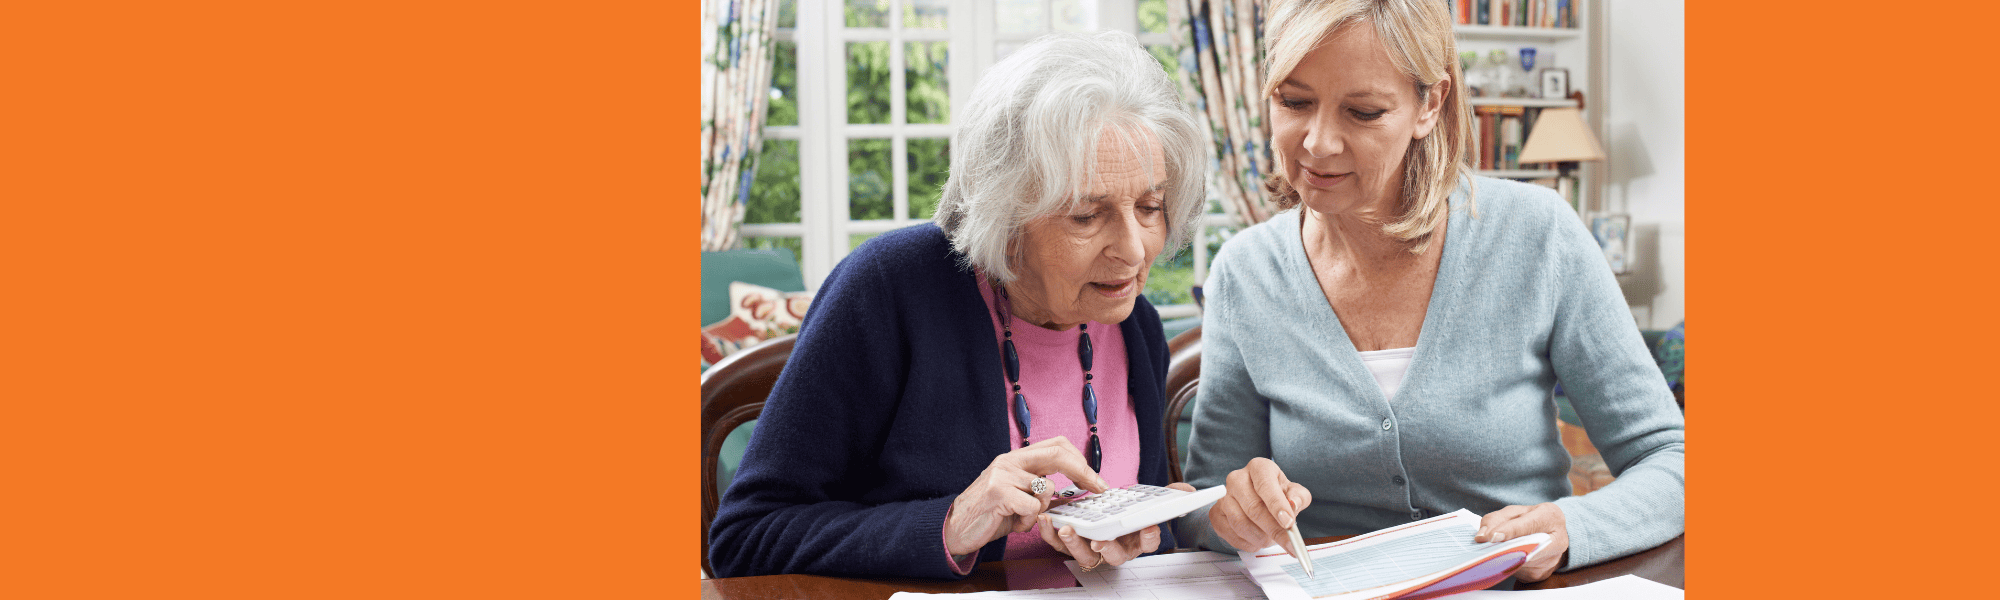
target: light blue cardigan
1523 299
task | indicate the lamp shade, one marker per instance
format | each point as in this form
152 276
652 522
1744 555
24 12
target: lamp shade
1561 136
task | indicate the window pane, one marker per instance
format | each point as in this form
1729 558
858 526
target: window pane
1153 16
1070 16
1002 49
788 14
868 179
784 85
868 82
867 13
1214 237
926 97
795 245
930 14
1020 17
1165 54
855 240
930 162
774 194
1171 280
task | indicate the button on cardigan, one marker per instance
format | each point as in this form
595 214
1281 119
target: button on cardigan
893 401
1523 299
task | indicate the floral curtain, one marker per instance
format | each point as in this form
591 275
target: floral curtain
1221 49
736 41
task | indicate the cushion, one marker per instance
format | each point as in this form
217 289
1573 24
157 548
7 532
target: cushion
775 269
756 313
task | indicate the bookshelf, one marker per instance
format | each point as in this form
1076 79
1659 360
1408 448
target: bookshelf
1508 32
1520 173
1568 48
1527 102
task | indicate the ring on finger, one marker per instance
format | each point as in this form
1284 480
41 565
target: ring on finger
1038 486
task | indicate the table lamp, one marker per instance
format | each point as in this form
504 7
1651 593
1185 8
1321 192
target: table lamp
1561 137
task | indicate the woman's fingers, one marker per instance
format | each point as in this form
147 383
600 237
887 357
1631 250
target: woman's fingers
1116 552
1272 489
1048 531
1056 455
1136 544
1228 520
1019 505
1515 521
1489 524
1079 548
1247 509
1300 497
1261 499
1149 539
1181 486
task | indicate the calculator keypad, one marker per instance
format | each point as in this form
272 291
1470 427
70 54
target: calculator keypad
1114 502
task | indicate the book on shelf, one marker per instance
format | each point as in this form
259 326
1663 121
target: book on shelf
1510 138
1503 132
1484 116
1554 14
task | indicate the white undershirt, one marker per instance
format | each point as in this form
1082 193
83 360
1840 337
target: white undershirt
1388 366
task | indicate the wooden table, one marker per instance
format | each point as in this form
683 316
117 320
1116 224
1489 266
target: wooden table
1664 564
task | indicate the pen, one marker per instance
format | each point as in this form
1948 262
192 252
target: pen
1299 548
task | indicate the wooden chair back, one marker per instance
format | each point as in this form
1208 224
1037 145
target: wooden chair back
732 394
1183 377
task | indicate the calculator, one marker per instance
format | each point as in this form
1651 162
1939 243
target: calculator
1119 511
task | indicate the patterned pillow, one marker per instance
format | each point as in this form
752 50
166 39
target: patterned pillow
1671 353
756 313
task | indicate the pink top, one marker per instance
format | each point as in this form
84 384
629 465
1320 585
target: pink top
1052 378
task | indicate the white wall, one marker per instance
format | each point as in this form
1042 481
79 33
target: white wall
1644 124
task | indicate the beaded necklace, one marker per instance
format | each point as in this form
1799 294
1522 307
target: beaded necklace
1020 403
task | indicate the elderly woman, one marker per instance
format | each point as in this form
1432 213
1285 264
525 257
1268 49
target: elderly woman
950 377
1386 352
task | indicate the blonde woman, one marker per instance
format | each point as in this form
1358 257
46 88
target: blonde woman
1386 351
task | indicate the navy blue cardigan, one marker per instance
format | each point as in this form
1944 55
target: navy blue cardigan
891 404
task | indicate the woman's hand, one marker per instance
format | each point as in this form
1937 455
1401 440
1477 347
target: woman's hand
1516 521
1090 553
999 501
1259 506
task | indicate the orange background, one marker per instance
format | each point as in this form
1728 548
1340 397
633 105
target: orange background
372 299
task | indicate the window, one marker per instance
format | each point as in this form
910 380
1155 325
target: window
857 140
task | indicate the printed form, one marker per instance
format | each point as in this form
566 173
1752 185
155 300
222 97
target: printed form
1421 559
1180 576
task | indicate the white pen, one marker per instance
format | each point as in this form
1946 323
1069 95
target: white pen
1299 548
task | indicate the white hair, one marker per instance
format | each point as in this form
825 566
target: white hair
1026 145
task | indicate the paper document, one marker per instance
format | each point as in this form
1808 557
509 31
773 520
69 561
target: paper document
1072 593
1622 587
1417 560
1179 576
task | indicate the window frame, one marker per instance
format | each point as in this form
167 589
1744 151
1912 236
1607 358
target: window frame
820 39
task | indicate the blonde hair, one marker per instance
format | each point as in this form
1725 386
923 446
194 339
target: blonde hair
1418 37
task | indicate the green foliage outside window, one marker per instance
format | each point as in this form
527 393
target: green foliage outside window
1153 16
775 193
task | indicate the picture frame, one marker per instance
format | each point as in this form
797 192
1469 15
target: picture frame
1613 233
1555 82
